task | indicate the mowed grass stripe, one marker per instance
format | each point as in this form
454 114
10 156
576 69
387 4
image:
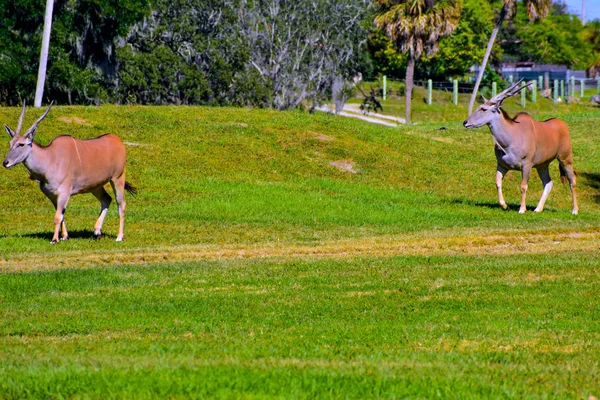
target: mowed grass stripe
506 243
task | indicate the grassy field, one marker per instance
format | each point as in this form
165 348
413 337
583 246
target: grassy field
253 268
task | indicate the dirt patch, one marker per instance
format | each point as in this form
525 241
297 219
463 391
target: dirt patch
73 120
320 136
345 166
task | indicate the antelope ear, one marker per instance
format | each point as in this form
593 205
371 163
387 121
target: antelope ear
30 135
10 132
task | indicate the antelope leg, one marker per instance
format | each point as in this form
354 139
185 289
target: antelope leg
500 172
525 178
547 182
105 200
59 218
118 186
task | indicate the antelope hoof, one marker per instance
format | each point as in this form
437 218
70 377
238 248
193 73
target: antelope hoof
97 234
504 206
575 212
54 241
64 238
521 211
537 210
119 239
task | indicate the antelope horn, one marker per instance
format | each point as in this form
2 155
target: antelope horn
20 123
510 91
35 124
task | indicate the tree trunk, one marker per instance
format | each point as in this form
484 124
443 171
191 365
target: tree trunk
486 56
39 91
410 72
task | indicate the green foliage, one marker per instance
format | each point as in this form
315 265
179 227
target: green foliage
556 39
387 60
465 48
591 36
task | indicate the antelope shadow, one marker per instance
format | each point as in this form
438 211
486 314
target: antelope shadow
73 234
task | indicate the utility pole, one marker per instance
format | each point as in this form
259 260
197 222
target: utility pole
583 12
39 91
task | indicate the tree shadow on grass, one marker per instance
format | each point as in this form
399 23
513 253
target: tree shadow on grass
592 180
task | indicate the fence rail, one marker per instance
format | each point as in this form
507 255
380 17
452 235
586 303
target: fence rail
567 90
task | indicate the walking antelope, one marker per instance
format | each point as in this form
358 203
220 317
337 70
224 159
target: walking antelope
523 143
68 166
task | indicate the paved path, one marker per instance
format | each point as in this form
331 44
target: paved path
354 111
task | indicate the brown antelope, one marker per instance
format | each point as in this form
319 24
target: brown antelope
68 166
523 143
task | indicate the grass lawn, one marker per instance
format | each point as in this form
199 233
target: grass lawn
252 267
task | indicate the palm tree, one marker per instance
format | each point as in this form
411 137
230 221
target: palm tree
536 9
415 26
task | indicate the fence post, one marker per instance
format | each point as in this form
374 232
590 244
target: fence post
455 92
555 94
494 88
540 81
534 91
384 87
572 91
510 78
429 90
562 90
582 87
523 94
598 82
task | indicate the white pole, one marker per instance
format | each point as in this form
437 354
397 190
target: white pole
583 12
39 91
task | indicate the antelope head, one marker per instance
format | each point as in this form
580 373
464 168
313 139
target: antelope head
490 109
21 146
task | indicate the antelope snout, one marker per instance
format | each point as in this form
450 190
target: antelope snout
6 164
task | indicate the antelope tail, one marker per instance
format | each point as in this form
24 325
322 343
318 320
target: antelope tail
133 190
563 173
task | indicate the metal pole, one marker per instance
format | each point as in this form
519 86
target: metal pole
572 91
555 94
582 87
534 92
384 87
494 88
562 89
429 91
455 92
39 91
523 95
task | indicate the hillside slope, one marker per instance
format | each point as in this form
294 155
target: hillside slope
223 176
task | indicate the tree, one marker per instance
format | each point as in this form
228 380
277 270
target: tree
415 26
591 35
303 49
535 9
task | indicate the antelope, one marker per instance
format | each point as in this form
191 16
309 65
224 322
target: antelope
68 166
522 143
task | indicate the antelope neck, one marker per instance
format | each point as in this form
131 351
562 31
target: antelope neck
37 161
501 131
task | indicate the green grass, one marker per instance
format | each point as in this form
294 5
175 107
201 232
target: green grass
470 327
253 268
